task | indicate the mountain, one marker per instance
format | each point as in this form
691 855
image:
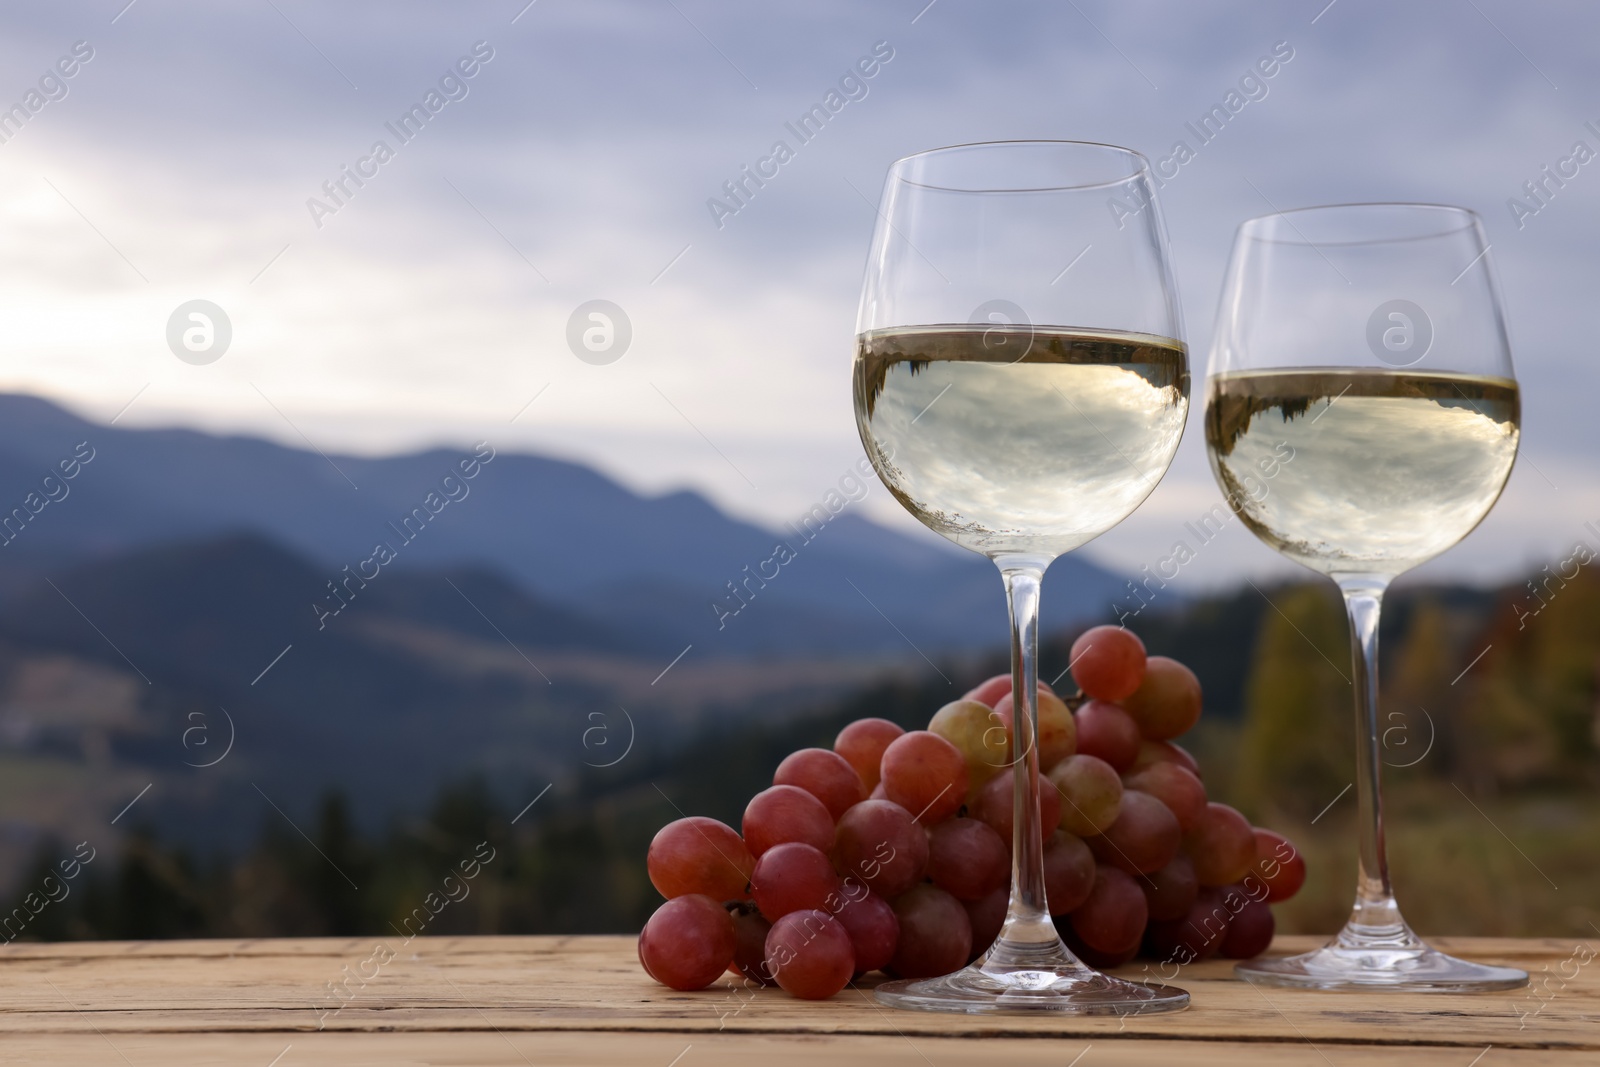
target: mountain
655 567
193 671
192 628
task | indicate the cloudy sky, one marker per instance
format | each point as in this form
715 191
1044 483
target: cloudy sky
431 303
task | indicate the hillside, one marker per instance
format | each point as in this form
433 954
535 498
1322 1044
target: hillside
1489 799
197 669
559 530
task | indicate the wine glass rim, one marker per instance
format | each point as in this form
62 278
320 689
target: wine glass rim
1140 161
1470 220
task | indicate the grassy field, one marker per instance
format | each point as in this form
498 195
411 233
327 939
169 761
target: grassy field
1525 873
1518 864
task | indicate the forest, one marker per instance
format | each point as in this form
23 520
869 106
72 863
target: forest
1490 729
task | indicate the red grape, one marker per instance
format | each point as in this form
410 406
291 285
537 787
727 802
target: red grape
1058 731
1183 756
1091 955
1279 865
980 736
825 775
991 690
987 915
1105 961
1222 845
873 929
1144 837
688 942
1107 662
935 933
699 855
1114 913
1180 791
1090 791
1133 855
1171 891
1196 936
749 943
995 804
1152 752
1250 931
880 843
862 744
810 955
1167 702
793 876
1106 731
967 859
926 775
786 813
1068 872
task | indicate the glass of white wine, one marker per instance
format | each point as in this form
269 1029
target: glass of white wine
1365 344
1021 384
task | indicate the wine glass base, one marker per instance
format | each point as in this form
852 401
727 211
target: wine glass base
1409 969
1052 981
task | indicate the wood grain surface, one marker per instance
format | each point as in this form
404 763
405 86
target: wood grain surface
584 1000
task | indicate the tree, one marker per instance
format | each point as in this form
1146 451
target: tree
1530 710
1295 751
1415 710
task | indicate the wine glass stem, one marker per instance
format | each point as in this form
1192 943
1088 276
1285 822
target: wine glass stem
1028 918
1376 916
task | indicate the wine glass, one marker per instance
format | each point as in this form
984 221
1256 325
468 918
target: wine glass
1021 384
1361 356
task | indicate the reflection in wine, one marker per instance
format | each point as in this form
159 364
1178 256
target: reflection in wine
1393 467
1020 439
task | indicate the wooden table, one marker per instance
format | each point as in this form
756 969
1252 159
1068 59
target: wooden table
583 1000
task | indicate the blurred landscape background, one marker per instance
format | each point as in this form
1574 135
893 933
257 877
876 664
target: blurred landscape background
525 674
393 566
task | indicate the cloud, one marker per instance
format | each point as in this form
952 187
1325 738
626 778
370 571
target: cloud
588 147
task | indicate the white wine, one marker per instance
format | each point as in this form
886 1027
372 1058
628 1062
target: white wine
1388 468
1016 439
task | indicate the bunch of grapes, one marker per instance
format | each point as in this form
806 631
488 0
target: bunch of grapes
892 851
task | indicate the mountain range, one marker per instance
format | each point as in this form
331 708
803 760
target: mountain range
654 569
206 632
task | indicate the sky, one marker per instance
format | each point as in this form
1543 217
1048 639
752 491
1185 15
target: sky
186 157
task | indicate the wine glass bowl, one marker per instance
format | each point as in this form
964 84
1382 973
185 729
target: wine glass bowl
1020 379
1361 357
1030 456
1020 386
